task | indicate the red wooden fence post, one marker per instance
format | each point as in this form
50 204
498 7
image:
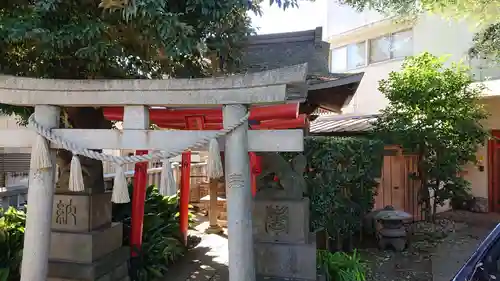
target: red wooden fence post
184 204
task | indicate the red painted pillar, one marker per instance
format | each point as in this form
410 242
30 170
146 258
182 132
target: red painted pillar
184 204
138 200
193 123
254 171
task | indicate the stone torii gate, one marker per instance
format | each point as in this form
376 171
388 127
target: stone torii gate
234 93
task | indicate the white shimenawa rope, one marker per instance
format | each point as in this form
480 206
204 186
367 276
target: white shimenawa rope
120 189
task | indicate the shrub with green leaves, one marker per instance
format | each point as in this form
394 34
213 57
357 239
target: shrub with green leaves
12 224
162 240
341 266
341 181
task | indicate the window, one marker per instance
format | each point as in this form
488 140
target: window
396 45
348 57
402 44
380 49
339 59
356 55
391 46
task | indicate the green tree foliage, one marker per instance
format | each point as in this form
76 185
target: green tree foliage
483 12
434 111
79 40
126 4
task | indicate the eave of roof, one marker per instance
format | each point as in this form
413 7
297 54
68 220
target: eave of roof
342 124
332 80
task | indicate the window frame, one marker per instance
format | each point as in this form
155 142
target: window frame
331 58
346 63
392 42
365 58
368 46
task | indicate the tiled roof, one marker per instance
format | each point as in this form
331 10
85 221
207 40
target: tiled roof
263 52
343 123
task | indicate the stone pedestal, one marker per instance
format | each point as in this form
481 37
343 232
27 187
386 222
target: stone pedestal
86 245
213 210
284 247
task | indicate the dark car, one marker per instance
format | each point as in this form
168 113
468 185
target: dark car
484 264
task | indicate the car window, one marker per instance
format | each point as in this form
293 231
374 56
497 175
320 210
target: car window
489 268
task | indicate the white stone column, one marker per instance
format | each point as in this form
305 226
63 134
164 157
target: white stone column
40 200
239 197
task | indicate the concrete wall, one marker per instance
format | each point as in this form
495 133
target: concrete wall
10 122
342 18
477 178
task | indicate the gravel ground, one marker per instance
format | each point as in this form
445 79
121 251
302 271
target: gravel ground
436 251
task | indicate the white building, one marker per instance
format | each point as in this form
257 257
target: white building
370 43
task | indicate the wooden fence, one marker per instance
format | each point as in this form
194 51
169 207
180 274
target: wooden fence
396 187
198 178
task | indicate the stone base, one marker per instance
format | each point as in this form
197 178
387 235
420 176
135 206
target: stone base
85 247
112 267
283 260
214 229
398 244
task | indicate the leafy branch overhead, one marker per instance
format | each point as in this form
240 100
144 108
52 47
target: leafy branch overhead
123 38
79 40
124 4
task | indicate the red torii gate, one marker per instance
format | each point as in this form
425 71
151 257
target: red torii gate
284 116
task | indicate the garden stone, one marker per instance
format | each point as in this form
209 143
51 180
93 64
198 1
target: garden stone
393 233
479 205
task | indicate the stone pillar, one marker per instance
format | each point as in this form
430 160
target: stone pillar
284 247
239 197
213 210
88 246
40 196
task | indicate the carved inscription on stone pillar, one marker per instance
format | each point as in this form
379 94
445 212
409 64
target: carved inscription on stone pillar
277 219
81 212
282 221
66 212
235 181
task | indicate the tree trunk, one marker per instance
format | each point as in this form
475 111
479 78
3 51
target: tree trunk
93 176
425 197
435 203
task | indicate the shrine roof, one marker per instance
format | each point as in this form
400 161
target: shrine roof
263 52
331 91
343 124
